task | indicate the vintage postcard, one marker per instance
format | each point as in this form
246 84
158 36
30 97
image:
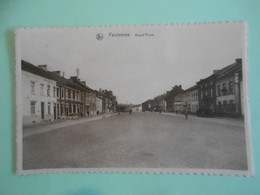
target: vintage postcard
140 99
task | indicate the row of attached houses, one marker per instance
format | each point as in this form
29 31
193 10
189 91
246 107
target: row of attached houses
220 94
48 96
164 102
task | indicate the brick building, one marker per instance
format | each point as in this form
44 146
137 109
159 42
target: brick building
170 97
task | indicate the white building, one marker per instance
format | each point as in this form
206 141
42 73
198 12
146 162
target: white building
38 95
137 108
191 99
99 104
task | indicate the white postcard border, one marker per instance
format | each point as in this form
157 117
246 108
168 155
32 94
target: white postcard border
190 171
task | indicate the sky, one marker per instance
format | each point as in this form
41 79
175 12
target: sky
135 62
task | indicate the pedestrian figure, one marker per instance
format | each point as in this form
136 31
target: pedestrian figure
130 111
186 114
97 112
88 113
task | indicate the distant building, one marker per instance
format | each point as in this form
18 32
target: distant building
229 96
191 99
99 104
148 105
109 101
137 108
178 103
170 97
160 103
85 98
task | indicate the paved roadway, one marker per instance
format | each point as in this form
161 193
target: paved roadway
140 140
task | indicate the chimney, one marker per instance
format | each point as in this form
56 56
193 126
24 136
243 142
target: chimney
57 72
74 78
239 61
83 82
44 67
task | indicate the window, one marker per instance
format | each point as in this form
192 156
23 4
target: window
42 88
211 92
206 93
58 92
206 85
33 107
70 94
49 108
66 94
73 95
231 88
79 97
76 95
48 90
62 93
224 89
32 87
219 90
231 101
71 108
211 83
54 91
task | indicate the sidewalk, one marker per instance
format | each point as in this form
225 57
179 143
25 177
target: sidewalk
225 121
45 127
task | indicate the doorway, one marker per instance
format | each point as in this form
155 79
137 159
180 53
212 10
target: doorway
42 110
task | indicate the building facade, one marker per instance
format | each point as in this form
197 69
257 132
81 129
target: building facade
191 99
148 105
178 103
207 95
229 96
170 97
38 94
137 108
160 103
99 104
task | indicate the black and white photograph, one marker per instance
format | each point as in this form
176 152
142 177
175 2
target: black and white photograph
140 99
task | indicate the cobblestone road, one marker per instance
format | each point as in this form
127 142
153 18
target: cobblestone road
147 140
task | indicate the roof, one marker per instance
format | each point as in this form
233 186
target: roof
224 70
28 67
192 88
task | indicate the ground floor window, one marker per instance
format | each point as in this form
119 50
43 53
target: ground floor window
227 106
33 103
49 108
58 109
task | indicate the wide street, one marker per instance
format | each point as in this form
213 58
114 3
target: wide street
140 140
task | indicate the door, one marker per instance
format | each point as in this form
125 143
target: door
67 112
54 111
42 110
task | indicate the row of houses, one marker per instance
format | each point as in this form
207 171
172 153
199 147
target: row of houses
49 95
220 94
